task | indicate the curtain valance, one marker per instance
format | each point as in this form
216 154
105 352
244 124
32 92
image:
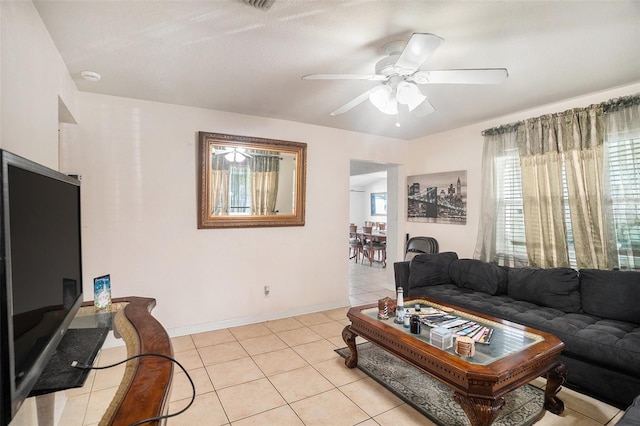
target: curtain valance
608 106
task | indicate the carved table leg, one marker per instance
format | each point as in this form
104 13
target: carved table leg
349 338
481 412
555 379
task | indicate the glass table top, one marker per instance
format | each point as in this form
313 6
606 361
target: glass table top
90 317
505 340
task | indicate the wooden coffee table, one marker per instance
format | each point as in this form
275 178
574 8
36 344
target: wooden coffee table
515 356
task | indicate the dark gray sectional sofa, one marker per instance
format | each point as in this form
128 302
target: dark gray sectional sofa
631 417
595 313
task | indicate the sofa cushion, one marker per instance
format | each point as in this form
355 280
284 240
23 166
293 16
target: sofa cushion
611 294
478 275
430 269
604 342
557 288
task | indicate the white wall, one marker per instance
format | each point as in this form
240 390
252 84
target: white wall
32 80
138 165
461 149
138 159
286 185
357 201
360 202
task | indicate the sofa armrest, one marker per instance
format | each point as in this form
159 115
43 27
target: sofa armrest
401 270
632 415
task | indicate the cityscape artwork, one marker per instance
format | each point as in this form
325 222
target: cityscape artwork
438 198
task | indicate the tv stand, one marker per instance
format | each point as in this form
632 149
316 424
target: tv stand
144 389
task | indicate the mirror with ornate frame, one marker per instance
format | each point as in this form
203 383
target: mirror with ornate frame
246 181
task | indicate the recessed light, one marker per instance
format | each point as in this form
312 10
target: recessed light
90 75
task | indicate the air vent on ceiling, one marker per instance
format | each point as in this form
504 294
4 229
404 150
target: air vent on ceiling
260 4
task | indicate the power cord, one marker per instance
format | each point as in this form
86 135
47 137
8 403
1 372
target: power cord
75 364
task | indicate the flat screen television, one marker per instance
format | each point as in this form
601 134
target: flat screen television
40 272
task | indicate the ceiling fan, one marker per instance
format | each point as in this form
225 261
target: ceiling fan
238 154
235 154
399 74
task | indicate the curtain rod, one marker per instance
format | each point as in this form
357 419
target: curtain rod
608 106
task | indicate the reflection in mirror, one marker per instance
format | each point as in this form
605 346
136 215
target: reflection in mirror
252 181
248 181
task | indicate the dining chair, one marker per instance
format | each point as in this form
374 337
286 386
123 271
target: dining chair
371 247
355 243
382 226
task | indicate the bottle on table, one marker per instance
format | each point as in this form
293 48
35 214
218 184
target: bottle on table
400 306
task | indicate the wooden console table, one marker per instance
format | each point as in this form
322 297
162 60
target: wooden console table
144 390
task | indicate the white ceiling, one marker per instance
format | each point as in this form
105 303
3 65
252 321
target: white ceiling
226 55
358 182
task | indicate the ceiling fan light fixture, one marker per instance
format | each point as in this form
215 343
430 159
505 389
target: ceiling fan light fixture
384 99
234 157
408 94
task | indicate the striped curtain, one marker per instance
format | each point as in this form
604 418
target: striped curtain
554 150
219 184
265 167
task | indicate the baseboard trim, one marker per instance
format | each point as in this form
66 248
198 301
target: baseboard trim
237 322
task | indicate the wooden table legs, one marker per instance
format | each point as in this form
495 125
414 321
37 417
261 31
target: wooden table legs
479 411
482 411
349 338
556 377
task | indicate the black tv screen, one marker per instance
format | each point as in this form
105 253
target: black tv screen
41 272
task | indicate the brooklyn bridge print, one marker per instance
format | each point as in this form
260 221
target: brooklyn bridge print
438 198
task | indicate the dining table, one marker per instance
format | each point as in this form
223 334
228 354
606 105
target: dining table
369 238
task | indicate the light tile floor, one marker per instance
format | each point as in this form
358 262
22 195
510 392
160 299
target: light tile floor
285 372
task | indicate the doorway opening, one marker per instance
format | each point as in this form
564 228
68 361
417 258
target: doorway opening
373 198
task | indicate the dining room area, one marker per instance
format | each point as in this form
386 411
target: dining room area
368 270
368 243
368 273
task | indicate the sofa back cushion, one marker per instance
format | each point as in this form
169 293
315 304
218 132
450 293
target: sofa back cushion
479 276
611 294
557 288
430 269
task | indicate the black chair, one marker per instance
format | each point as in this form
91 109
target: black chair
420 245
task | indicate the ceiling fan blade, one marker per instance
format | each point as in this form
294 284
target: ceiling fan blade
469 76
371 77
354 102
419 47
424 109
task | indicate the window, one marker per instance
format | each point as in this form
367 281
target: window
378 204
239 189
624 185
623 171
510 239
576 176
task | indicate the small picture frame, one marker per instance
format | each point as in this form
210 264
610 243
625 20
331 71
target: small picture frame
102 291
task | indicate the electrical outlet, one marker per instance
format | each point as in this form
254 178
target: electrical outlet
267 290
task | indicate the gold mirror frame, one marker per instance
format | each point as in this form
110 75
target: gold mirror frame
207 142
